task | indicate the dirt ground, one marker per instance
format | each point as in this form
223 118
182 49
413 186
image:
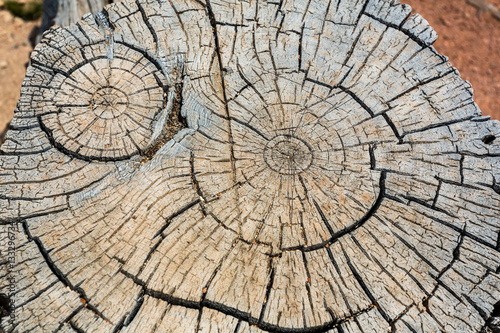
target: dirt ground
470 40
15 48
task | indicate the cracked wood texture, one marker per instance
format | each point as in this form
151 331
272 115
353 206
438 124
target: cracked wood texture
249 166
66 12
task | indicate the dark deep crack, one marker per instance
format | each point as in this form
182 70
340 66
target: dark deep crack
59 274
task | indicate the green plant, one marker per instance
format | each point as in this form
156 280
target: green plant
27 11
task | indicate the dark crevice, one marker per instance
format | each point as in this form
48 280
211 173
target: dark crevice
143 52
361 66
455 253
237 328
495 186
75 328
77 190
422 83
411 247
300 57
456 256
245 316
362 12
427 205
498 244
493 321
268 293
134 311
68 73
437 125
37 294
82 30
5 306
368 215
339 273
213 23
68 152
496 310
39 65
160 232
476 307
204 291
349 55
409 327
250 84
488 139
319 83
69 318
462 177
323 218
400 28
466 233
473 154
20 128
377 262
27 217
358 100
364 106
308 287
119 326
175 121
250 127
363 286
227 24
148 24
336 235
25 153
472 187
437 195
398 317
198 320
481 119
59 274
373 161
393 127
196 185
177 213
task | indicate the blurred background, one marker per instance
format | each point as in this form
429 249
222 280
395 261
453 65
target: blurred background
469 34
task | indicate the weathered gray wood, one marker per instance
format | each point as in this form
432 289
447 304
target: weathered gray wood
66 12
230 166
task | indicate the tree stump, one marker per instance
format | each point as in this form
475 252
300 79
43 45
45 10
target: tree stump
248 166
66 12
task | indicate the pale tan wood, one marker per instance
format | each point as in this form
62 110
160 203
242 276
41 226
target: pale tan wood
249 166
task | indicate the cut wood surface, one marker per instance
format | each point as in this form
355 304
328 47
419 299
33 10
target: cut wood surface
249 166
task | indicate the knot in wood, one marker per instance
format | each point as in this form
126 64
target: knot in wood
303 166
104 104
109 102
288 155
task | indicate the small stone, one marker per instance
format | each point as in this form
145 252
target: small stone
18 21
7 16
3 64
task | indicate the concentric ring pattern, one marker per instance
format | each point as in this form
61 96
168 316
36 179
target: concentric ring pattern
103 108
255 166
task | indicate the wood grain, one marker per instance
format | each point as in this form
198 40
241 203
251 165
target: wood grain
249 166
